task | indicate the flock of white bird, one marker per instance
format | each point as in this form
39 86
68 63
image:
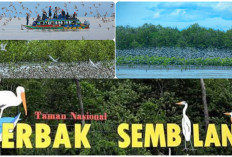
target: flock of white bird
93 10
3 48
61 70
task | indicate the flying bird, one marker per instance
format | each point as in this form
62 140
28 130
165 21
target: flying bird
9 99
186 124
54 60
3 47
94 65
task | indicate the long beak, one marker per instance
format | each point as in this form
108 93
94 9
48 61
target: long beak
179 103
23 96
227 113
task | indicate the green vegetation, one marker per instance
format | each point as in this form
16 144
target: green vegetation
157 45
131 101
65 50
165 61
150 35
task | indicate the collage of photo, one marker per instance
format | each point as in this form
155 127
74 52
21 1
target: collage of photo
107 78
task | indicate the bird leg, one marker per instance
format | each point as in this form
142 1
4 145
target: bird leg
192 146
185 148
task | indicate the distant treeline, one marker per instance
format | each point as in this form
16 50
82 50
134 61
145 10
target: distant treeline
150 35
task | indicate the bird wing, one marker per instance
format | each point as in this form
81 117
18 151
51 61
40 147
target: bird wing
183 127
3 46
92 63
188 123
52 58
186 126
7 97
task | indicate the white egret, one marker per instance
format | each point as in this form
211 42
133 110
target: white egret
186 124
54 60
9 99
229 114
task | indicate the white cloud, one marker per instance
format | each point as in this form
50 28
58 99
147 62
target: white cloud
156 15
222 6
178 12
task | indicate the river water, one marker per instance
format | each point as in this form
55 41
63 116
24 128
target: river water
173 72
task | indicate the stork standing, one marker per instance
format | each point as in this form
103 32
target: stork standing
186 124
9 99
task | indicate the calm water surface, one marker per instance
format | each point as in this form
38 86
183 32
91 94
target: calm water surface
173 72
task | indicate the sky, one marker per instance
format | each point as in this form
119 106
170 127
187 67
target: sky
216 15
102 8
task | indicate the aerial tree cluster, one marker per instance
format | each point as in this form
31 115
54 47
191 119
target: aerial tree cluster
129 101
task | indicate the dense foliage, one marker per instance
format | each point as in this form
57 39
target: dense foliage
150 35
65 50
131 101
165 61
157 45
